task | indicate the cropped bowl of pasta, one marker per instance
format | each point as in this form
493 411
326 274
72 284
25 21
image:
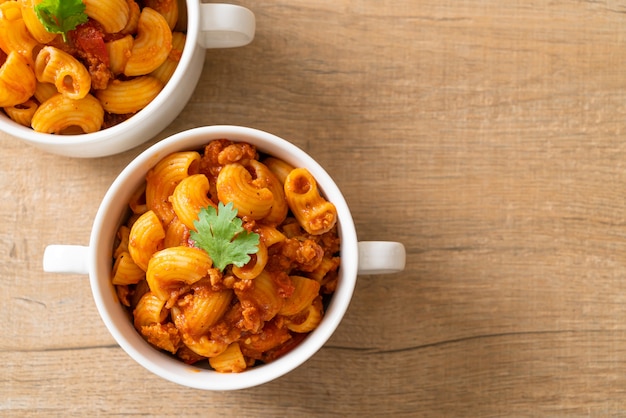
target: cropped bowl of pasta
98 77
223 257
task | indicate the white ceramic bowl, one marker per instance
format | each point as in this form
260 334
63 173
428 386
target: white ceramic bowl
365 257
208 26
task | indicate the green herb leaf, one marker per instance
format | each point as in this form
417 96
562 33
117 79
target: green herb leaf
61 16
220 234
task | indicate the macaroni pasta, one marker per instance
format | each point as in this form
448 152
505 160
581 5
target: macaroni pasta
313 212
17 82
121 57
241 315
60 113
69 76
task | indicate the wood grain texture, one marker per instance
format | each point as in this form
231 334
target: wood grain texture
487 136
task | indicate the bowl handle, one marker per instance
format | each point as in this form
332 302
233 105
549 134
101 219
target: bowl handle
381 257
225 25
70 259
375 257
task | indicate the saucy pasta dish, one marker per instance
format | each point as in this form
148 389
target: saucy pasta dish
67 78
228 255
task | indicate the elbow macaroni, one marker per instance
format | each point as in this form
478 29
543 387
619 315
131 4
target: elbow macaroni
134 11
119 51
176 234
70 77
202 309
17 81
33 24
152 44
59 113
145 238
129 96
111 14
313 212
162 180
44 91
250 197
22 113
189 196
14 35
139 55
174 265
149 310
166 8
230 360
165 71
240 316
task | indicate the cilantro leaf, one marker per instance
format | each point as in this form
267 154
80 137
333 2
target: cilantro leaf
220 234
61 16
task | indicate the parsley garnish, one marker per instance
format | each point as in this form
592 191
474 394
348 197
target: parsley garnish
220 234
61 16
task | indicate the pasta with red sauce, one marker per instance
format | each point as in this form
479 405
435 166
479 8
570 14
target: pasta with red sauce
150 36
239 316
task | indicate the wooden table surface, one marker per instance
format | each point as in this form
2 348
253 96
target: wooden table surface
487 136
